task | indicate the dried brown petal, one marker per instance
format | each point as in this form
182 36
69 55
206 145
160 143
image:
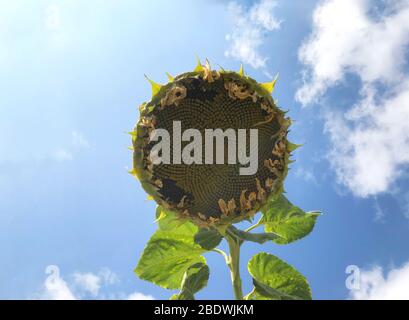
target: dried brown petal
223 207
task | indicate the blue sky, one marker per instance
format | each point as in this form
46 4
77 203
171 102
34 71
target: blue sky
72 76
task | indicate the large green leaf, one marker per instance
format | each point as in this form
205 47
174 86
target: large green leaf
168 221
194 279
254 295
287 220
170 251
275 279
208 238
166 257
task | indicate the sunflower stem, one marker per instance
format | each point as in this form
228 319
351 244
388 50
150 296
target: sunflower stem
253 226
234 265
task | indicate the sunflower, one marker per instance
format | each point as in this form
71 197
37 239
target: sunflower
213 194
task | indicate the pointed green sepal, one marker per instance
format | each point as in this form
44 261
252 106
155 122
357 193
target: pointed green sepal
269 86
241 71
199 66
288 122
133 172
133 134
170 78
142 107
221 68
292 146
155 86
160 214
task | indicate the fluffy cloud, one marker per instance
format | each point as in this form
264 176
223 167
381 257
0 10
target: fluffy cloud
374 285
84 286
139 296
370 140
55 288
89 282
346 38
250 26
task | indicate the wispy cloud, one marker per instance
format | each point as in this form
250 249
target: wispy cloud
78 140
306 174
86 285
374 284
371 140
62 154
379 212
66 153
250 27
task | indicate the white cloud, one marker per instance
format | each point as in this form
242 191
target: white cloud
86 285
371 143
139 296
77 143
62 154
346 39
55 288
78 140
374 285
306 174
250 27
379 212
92 283
107 276
371 140
89 282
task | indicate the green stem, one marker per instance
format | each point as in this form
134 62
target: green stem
234 265
253 226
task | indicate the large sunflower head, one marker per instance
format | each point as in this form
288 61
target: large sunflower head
210 192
